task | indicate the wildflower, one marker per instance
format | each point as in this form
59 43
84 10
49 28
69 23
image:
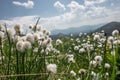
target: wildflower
82 72
72 73
15 39
36 36
93 74
110 39
76 48
102 31
78 79
1 35
107 65
102 40
116 42
48 33
96 37
39 28
30 38
100 45
115 33
47 50
52 68
98 59
42 51
82 50
50 46
19 46
30 26
113 52
17 28
1 26
92 63
106 75
58 42
44 31
71 35
44 43
27 45
71 39
80 34
35 50
85 33
71 58
10 33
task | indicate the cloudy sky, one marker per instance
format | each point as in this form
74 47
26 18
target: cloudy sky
59 14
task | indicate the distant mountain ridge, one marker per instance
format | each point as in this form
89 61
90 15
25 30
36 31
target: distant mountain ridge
76 30
108 28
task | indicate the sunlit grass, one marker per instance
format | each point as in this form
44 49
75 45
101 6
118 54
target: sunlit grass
35 56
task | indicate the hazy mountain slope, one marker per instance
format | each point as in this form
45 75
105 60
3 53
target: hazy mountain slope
108 28
76 30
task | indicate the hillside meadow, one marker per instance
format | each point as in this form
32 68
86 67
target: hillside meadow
36 56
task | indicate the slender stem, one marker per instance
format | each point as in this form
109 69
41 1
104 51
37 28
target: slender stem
23 65
17 64
9 55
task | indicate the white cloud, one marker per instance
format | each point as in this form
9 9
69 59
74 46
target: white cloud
59 5
74 6
28 4
75 17
24 20
92 2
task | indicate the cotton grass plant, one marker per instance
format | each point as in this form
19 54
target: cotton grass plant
36 56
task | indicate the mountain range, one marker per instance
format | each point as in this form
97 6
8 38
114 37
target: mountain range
108 28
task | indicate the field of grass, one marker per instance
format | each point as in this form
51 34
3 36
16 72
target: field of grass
35 56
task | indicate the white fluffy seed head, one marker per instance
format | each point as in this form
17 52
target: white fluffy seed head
102 40
1 35
93 74
98 58
35 50
82 72
19 46
116 42
27 45
10 32
82 50
58 42
72 73
15 39
76 47
1 26
17 28
71 60
48 33
36 36
30 38
106 74
96 37
115 33
52 68
107 65
110 39
92 63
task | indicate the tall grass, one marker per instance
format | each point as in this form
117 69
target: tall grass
35 56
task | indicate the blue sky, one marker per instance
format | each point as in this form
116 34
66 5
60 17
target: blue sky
59 14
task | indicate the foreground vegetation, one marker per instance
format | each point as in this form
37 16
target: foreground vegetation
35 56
